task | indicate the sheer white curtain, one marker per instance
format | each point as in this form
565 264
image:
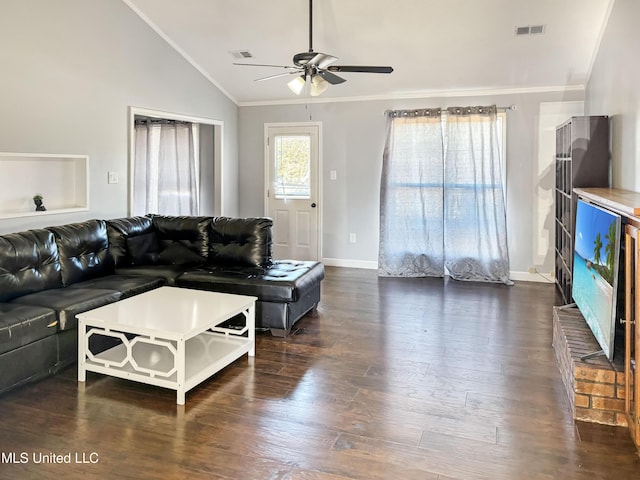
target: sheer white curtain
441 196
475 239
165 168
411 229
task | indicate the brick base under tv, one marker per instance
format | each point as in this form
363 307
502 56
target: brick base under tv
595 387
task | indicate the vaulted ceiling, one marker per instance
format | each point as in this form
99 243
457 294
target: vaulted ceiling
436 47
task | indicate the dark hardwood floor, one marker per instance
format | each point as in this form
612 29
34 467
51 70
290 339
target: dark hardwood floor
391 379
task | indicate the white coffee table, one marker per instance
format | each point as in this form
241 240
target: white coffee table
169 337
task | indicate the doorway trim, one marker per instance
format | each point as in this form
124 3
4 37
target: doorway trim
267 170
218 171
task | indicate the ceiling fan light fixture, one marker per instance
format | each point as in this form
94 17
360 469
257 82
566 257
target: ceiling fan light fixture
318 85
297 84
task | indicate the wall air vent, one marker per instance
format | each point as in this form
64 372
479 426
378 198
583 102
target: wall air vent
530 30
536 29
241 54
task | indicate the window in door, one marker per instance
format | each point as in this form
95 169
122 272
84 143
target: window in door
292 175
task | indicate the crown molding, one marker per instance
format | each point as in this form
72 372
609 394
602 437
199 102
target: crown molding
419 95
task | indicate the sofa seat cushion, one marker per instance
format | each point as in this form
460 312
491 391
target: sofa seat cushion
68 302
127 285
283 281
24 324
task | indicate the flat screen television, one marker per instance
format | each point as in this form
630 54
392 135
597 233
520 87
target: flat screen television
596 257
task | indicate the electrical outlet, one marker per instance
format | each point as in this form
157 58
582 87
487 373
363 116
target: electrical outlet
533 270
112 177
352 238
333 174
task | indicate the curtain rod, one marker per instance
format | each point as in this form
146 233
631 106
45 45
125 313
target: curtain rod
507 108
159 121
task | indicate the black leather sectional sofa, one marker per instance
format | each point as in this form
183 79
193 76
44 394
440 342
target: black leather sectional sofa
47 276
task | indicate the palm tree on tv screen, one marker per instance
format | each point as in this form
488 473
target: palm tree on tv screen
610 249
596 249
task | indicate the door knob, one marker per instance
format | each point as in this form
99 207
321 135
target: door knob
313 205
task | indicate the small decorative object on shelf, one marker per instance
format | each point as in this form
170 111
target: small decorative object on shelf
37 199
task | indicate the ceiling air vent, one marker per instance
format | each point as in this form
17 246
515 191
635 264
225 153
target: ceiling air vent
241 54
530 30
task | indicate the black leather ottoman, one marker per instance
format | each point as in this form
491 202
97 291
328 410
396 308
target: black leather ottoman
286 289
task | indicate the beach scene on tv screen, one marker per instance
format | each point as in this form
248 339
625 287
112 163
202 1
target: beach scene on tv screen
595 265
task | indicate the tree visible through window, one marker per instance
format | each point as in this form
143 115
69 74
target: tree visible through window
292 166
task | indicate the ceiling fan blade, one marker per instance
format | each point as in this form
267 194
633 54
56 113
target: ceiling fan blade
332 78
355 68
322 60
263 65
297 72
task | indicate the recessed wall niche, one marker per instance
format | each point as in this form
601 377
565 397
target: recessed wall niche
62 180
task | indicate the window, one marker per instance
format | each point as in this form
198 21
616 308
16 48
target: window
166 174
292 176
442 195
207 140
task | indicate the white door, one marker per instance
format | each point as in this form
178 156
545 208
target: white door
293 156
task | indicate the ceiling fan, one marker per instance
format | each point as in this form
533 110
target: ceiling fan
315 68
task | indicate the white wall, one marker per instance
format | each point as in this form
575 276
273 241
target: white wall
353 142
614 90
70 71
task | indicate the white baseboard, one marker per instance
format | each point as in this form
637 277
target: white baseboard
372 265
341 262
531 277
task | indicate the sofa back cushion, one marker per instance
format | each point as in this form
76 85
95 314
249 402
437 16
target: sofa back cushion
181 240
84 250
29 262
126 241
241 241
